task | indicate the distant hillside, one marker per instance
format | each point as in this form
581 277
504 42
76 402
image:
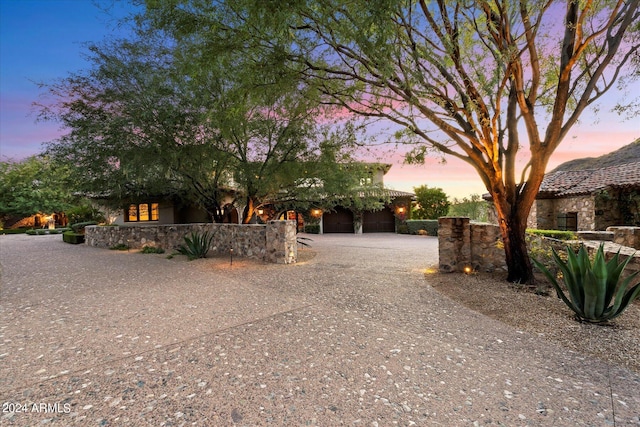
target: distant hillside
627 154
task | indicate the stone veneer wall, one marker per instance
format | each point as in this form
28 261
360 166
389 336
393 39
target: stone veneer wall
584 206
595 211
626 236
462 244
272 242
478 246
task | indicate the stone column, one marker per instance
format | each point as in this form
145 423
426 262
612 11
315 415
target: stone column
282 246
454 244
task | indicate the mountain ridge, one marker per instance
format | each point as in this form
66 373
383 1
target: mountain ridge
628 154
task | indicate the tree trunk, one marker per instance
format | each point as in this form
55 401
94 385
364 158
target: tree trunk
513 229
249 210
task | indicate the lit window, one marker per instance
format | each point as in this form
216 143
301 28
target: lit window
154 212
133 212
143 212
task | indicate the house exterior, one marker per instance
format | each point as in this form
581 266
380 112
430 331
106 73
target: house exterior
589 199
161 210
345 220
158 210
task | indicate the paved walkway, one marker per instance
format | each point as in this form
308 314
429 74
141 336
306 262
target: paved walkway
352 336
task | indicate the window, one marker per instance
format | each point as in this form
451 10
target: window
143 212
568 221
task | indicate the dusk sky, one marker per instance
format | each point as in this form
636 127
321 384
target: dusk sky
42 40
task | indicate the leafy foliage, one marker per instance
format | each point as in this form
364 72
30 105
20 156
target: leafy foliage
597 293
161 115
120 247
457 77
196 245
34 185
430 226
84 212
472 207
554 234
431 203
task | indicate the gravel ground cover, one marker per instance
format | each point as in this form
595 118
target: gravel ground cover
538 311
354 334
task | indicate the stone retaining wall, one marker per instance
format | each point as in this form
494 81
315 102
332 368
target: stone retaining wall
626 236
463 244
272 242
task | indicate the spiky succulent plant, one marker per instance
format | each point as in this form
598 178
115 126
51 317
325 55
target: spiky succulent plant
596 291
196 245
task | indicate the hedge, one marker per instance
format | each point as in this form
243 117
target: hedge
14 231
79 226
554 234
73 238
428 225
312 228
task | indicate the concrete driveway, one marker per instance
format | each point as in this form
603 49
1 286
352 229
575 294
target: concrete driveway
351 336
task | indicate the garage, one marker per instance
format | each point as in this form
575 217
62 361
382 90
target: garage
339 221
382 221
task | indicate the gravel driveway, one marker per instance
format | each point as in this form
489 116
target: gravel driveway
352 335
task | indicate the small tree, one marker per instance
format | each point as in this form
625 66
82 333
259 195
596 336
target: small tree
34 185
431 203
473 207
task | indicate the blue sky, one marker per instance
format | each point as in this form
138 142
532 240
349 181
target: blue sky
40 41
43 40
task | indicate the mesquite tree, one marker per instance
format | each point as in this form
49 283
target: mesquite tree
488 82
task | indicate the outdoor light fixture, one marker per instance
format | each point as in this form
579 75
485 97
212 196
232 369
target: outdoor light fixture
401 209
316 212
468 269
260 211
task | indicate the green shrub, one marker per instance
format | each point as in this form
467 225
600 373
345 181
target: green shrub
554 234
43 231
151 250
312 228
401 228
15 231
196 245
596 291
119 247
73 238
428 225
59 230
84 213
79 227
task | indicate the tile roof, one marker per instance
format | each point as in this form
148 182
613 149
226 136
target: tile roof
573 183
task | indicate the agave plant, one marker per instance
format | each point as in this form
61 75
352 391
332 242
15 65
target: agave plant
596 291
196 245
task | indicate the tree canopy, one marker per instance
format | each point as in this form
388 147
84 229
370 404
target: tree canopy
431 203
488 82
163 115
33 185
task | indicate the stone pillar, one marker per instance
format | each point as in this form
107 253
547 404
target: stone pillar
454 244
282 246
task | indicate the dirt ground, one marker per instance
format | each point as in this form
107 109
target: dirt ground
538 311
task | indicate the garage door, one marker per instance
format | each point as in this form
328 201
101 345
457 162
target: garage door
340 221
379 222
